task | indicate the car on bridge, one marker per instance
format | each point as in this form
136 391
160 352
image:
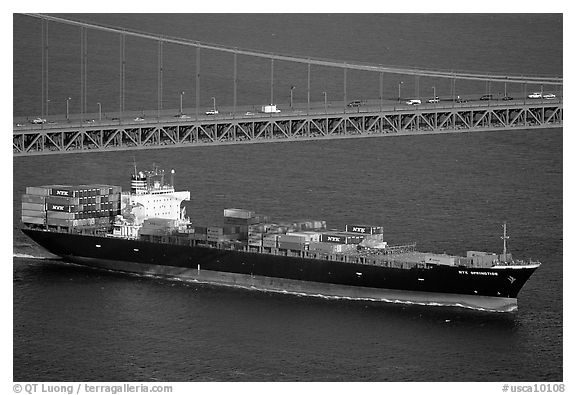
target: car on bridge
139 119
414 102
506 98
355 103
182 116
486 97
211 112
38 121
535 95
549 96
434 100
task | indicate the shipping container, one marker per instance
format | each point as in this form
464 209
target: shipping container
153 231
278 229
33 220
34 213
291 238
365 229
33 206
227 229
270 243
33 199
352 238
200 229
440 259
286 245
245 221
332 248
162 222
199 236
64 190
332 238
61 215
63 200
470 254
59 222
238 213
340 238
215 230
38 191
304 225
307 235
222 237
63 208
258 228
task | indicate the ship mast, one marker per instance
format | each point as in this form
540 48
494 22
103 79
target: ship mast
504 238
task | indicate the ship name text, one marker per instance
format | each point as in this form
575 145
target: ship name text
477 273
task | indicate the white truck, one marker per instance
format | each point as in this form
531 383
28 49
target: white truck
270 109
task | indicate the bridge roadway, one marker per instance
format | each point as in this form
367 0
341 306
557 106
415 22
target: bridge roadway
153 129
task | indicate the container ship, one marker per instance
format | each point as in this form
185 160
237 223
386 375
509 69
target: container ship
146 231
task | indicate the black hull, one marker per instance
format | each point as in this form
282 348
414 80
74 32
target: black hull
493 289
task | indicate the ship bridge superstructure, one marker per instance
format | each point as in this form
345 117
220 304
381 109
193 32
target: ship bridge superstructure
151 196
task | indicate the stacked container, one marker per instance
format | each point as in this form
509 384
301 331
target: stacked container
370 233
157 227
197 232
292 242
306 225
341 238
252 225
223 233
270 240
34 205
332 248
365 229
66 206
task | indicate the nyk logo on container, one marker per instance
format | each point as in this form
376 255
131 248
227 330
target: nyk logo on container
358 230
56 208
332 238
62 193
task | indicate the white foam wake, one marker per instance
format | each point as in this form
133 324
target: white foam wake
27 256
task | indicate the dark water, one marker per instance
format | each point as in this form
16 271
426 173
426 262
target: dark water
448 192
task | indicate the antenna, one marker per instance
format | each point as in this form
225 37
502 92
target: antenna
504 238
172 177
135 171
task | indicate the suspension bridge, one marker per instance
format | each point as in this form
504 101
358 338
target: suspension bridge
525 102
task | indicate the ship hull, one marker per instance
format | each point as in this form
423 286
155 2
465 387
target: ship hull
485 289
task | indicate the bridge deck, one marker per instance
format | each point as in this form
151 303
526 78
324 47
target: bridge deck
304 124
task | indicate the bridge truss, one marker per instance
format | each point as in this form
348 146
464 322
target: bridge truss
262 128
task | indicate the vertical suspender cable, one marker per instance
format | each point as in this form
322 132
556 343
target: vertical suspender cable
85 58
197 79
46 54
308 93
271 82
345 87
380 90
160 75
42 100
235 81
81 74
122 71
